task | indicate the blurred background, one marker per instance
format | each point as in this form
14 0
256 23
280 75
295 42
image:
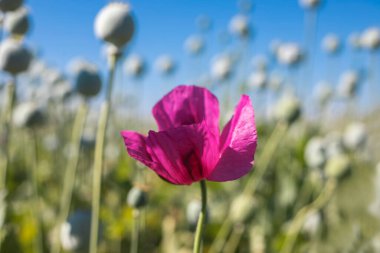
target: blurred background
74 73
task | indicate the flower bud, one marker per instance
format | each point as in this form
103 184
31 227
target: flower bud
134 66
312 223
289 54
17 22
315 154
28 115
242 208
194 45
355 136
114 24
370 39
165 65
348 84
75 232
331 44
137 198
337 166
88 82
14 57
288 109
221 67
193 210
309 4
10 5
239 25
258 80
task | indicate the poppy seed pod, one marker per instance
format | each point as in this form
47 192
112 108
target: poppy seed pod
134 66
331 44
192 213
239 25
288 109
312 223
309 4
28 115
257 80
348 84
334 144
75 232
137 198
194 45
10 5
315 153
242 208
355 136
88 82
221 67
370 39
289 54
14 57
114 24
337 166
17 22
165 65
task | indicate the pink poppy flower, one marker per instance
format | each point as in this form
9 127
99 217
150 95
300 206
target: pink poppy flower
188 146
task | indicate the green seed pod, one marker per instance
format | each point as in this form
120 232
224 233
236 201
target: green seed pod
10 5
137 198
288 109
88 82
28 115
17 22
114 24
242 208
337 166
14 57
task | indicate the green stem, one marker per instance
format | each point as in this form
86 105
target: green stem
233 241
7 121
36 199
98 163
71 168
201 219
302 214
135 231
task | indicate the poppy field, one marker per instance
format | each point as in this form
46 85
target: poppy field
237 140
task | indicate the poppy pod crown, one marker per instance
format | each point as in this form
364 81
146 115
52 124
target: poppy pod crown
188 146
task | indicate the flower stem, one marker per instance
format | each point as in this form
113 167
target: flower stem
98 163
201 219
7 121
298 221
72 165
135 231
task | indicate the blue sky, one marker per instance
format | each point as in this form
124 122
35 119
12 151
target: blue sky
63 29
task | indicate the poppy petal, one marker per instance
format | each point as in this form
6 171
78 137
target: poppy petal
187 105
237 144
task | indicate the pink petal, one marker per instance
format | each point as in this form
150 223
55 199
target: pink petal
237 144
186 105
137 149
181 152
